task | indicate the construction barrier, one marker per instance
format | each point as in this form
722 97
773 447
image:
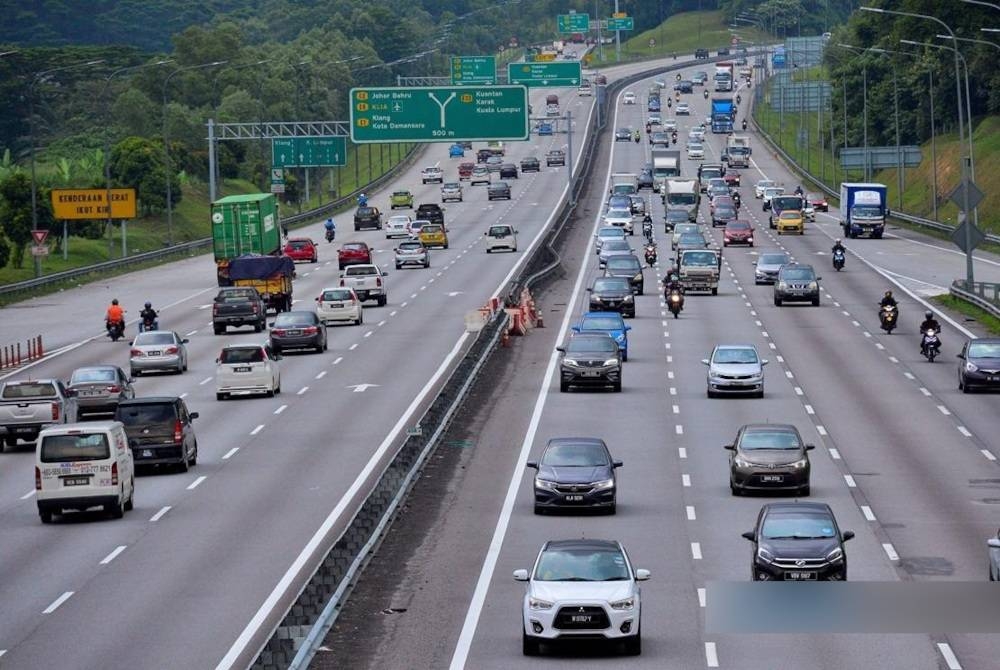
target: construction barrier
12 355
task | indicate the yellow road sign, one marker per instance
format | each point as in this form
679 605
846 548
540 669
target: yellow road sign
91 203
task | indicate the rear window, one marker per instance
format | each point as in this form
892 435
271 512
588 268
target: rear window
83 447
92 376
359 271
365 211
797 273
241 295
146 414
299 245
154 338
28 390
624 262
242 355
295 319
431 228
355 246
336 295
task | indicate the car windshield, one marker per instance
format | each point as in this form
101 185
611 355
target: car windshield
798 526
452 185
798 273
69 448
581 565
242 355
627 263
699 259
29 390
575 455
609 232
773 259
616 244
365 211
237 296
814 197
355 246
406 194
602 323
138 415
789 214
725 210
769 439
591 344
737 225
694 147
764 184
686 228
619 214
399 219
93 375
500 231
294 319
299 245
153 338
681 199
611 284
433 229
737 355
336 294
984 350
411 246
866 211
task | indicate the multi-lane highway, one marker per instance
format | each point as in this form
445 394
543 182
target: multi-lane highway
904 459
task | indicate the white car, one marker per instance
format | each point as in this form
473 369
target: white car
669 125
501 236
621 218
758 188
415 227
654 117
585 91
699 132
628 98
682 108
432 173
770 192
582 588
338 303
695 150
605 233
809 211
398 225
247 368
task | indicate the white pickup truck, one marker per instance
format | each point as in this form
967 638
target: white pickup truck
368 281
26 407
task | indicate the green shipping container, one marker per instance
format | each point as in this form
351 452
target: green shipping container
245 224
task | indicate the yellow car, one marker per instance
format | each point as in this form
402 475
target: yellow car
434 235
791 221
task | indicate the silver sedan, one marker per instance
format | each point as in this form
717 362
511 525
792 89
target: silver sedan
158 350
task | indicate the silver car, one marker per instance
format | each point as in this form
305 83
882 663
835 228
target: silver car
397 225
451 191
605 233
993 545
767 265
613 248
99 388
737 369
583 589
158 350
622 218
412 252
683 229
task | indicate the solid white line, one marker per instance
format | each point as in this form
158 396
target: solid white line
321 374
229 454
337 360
159 515
850 481
949 656
867 511
943 410
682 452
696 551
302 390
890 551
701 597
821 430
988 454
834 454
28 494
57 602
256 430
113 555
281 409
204 381
193 485
691 514
686 480
711 656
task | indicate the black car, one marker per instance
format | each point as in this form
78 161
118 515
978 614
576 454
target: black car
508 170
628 267
483 154
768 457
298 329
645 180
722 214
431 212
673 217
796 283
160 431
555 157
623 135
798 541
575 472
612 294
700 54
530 164
590 359
499 190
979 366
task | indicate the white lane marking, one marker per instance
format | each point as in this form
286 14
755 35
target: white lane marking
809 409
682 452
337 360
711 656
193 485
673 390
779 358
676 409
281 409
850 481
670 359
679 429
686 481
788 373
772 345
114 554
353 347
2 652
880 346
28 494
392 313
670 374
924 391
159 515
909 375
988 454
949 656
412 296
821 430
834 454
798 391
893 359
204 381
691 514
666 345
890 551
57 602
322 373
943 410
302 390
964 431
404 304
229 454
191 333
701 597
764 333
856 323
369 333
256 430
867 334
867 511
696 551
380 323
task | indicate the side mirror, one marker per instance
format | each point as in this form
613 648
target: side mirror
590 290
218 360
819 279
193 415
316 298
641 574
962 356
763 361
847 535
487 234
531 464
729 447
810 447
576 329
750 535
616 464
628 328
561 349
271 325
521 575
185 341
704 361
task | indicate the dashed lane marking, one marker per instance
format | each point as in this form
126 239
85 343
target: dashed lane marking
256 430
114 554
193 485
691 513
229 454
850 481
159 515
57 602
867 511
890 551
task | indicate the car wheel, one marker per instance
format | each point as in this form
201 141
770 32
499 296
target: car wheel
134 373
633 645
624 356
735 490
488 250
256 327
804 491
184 464
563 387
194 455
398 266
218 330
130 503
715 291
116 510
529 645
777 301
815 301
269 393
382 300
710 393
358 321
10 440
617 387
220 396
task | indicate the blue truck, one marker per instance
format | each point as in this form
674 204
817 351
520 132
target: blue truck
863 209
723 112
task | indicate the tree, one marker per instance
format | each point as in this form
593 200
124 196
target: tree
15 212
137 162
135 113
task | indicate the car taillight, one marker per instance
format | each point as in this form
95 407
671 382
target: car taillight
215 309
135 352
342 282
114 473
378 281
38 479
170 350
55 411
310 330
256 308
114 388
178 432
278 331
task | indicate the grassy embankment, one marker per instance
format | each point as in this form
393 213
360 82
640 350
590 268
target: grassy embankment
681 34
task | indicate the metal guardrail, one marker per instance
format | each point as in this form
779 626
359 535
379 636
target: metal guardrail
985 295
186 248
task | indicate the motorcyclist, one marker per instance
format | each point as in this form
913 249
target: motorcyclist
668 102
148 314
737 201
738 98
798 190
635 135
362 200
838 246
647 226
888 300
331 229
648 127
929 323
672 283
706 94
115 314
744 124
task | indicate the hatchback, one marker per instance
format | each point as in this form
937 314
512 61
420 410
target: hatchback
412 252
301 249
397 225
737 232
508 171
338 303
766 457
451 191
499 190
767 265
979 365
797 542
613 247
736 369
612 294
298 329
158 350
575 472
480 175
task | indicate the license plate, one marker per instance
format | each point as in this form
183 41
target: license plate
76 481
242 369
147 453
772 478
993 379
581 618
23 429
335 305
800 576
591 373
574 498
90 393
295 332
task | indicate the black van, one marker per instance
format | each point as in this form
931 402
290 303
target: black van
160 431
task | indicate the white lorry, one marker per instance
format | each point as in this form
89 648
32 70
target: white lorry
738 151
698 270
624 183
683 194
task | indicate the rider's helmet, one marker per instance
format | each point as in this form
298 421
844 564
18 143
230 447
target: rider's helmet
149 305
114 301
928 315
837 241
888 294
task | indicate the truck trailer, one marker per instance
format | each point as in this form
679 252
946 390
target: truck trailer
241 225
863 209
723 111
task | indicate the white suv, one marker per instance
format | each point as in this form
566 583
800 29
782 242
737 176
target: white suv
581 589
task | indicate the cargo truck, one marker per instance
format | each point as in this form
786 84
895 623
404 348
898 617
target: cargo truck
863 209
244 224
666 164
724 76
738 151
683 194
698 270
270 275
723 111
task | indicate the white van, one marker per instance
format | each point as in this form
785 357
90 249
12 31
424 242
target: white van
501 236
84 465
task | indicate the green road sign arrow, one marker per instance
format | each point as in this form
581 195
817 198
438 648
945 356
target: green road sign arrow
328 151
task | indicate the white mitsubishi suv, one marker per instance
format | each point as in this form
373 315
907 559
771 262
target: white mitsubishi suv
581 589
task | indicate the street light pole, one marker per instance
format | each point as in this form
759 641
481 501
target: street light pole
214 172
864 79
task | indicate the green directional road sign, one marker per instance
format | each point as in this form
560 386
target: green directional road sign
559 73
621 23
439 113
573 23
309 151
473 70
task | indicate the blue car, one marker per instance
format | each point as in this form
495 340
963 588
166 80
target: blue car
544 129
456 151
610 323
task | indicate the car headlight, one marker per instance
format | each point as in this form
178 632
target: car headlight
813 286
742 463
543 483
764 555
971 367
571 362
629 298
782 286
538 604
620 338
625 604
604 484
800 464
638 277
835 556
611 361
596 298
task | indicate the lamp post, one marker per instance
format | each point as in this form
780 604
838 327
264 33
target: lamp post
214 176
864 79
107 154
969 272
166 143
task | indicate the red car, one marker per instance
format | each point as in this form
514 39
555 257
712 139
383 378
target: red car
738 232
301 249
354 253
732 178
465 171
818 201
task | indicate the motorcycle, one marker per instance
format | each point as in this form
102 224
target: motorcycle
636 138
647 230
116 330
668 102
888 316
838 260
706 95
930 345
744 124
675 302
362 200
149 323
330 234
650 255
